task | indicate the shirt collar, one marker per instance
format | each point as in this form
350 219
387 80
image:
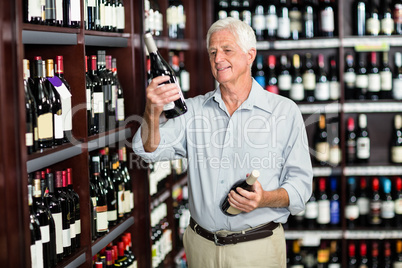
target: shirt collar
257 97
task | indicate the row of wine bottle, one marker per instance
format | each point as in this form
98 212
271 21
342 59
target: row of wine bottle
112 198
104 94
175 18
296 81
47 104
116 254
283 19
161 236
371 202
374 253
101 15
55 221
374 202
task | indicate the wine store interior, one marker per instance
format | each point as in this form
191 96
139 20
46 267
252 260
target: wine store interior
73 82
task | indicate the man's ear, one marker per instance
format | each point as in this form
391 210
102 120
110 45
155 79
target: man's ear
251 54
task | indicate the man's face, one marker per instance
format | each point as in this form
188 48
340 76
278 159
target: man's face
228 61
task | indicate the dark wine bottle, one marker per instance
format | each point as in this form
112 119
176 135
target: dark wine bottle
247 184
66 101
362 141
386 77
296 19
309 19
398 202
362 82
373 20
284 77
386 19
71 202
334 86
396 141
397 15
54 96
271 20
387 204
30 111
92 10
76 199
89 92
98 108
259 71
106 87
50 12
160 67
45 118
311 214
297 89
37 249
335 203
309 78
110 191
363 257
259 21
321 143
322 86
349 76
397 77
363 202
352 259
351 208
323 202
398 254
272 79
283 20
120 114
102 224
296 259
326 18
65 207
374 78
375 203
350 141
112 123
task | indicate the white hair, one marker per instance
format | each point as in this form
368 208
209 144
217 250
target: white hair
243 33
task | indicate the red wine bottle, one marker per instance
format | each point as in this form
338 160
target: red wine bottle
398 202
160 67
74 195
101 198
386 77
375 204
351 208
30 111
309 78
97 100
321 142
362 141
71 202
323 202
374 78
350 141
246 185
396 141
272 79
110 191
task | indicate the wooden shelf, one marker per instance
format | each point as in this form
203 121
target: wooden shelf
114 232
108 138
75 260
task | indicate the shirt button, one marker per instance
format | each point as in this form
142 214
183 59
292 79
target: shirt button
222 181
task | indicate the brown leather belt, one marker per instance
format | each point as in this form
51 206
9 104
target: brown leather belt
253 234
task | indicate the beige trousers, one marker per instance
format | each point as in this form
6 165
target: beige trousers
265 252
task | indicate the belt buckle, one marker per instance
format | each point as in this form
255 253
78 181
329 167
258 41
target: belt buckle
216 241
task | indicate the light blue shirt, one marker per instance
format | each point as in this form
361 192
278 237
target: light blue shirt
265 133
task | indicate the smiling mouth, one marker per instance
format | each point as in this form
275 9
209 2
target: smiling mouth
222 69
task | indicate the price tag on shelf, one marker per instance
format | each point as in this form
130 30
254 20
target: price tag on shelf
372 46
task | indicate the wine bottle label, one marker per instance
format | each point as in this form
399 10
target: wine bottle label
65 96
131 200
363 204
322 91
127 201
59 10
91 3
334 265
108 16
77 226
158 21
388 209
285 82
34 9
45 233
185 81
375 212
72 230
45 126
396 154
334 90
89 101
101 220
386 81
29 139
222 14
233 211
295 21
120 109
397 89
121 21
235 14
297 92
272 21
387 26
98 102
373 26
33 255
397 265
398 206
120 203
374 82
361 81
171 15
259 22
114 96
309 81
39 253
311 210
363 148
112 215
58 223
349 78
324 215
102 14
351 212
327 20
58 126
397 13
322 151
246 15
75 6
335 155
283 28
335 212
66 238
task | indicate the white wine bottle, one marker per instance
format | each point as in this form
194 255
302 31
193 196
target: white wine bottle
246 185
160 67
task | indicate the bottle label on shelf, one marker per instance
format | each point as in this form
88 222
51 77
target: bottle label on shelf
322 91
283 28
396 154
351 212
72 230
39 253
397 89
295 21
397 13
29 139
120 203
386 81
363 148
309 81
45 126
272 22
335 155
59 10
98 103
324 215
120 109
374 83
114 96
33 255
75 6
45 232
58 223
387 26
58 126
375 212
327 20
101 220
121 21
334 90
363 204
362 81
34 9
373 26
112 215
284 82
66 238
398 206
311 210
91 3
297 92
259 22
322 151
89 102
388 209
